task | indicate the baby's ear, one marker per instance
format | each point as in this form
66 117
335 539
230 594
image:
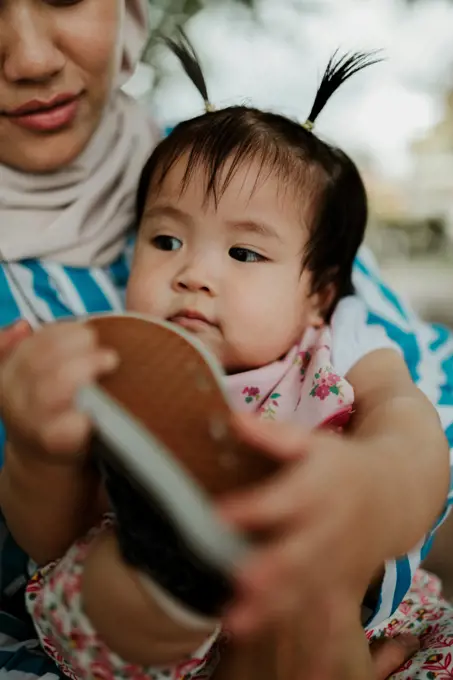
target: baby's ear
321 303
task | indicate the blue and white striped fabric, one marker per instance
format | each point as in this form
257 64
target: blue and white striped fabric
49 291
428 351
55 292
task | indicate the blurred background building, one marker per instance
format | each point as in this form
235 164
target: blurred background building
395 120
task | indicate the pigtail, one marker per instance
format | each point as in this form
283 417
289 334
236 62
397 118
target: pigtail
338 71
183 49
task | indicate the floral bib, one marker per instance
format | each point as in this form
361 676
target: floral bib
302 387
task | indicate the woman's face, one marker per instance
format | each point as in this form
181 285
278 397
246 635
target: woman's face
57 60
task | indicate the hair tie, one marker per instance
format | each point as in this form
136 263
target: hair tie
308 125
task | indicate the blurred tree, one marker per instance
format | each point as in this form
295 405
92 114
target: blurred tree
165 16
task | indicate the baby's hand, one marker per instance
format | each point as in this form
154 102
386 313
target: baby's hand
39 382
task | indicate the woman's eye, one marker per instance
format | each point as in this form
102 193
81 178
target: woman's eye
167 243
245 255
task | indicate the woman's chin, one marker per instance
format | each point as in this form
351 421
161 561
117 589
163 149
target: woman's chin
45 152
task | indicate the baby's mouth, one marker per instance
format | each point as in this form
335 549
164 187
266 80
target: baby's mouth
192 320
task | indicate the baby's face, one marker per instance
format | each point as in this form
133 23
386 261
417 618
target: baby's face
230 274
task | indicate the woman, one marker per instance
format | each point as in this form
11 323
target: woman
71 149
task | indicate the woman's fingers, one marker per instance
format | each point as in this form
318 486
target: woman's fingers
285 494
269 504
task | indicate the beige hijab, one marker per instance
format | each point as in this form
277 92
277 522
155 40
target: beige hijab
80 215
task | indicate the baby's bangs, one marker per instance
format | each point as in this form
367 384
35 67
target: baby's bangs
218 164
216 145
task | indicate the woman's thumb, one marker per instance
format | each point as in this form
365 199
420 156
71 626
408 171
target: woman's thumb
282 441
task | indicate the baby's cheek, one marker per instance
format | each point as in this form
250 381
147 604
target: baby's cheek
142 295
133 297
276 331
254 345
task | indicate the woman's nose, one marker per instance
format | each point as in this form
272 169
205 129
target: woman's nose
30 50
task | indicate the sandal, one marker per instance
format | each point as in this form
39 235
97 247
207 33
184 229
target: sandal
166 453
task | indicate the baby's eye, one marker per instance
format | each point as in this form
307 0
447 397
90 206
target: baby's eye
245 255
167 242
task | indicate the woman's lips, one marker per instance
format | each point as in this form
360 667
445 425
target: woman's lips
48 119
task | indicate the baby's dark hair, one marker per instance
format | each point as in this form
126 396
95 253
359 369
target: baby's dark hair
313 169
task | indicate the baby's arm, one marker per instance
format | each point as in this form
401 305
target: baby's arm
48 487
47 506
120 624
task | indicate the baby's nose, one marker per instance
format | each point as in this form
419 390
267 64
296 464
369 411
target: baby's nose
196 276
193 284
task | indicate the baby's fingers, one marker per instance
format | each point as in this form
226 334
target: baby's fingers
55 344
57 390
66 434
55 424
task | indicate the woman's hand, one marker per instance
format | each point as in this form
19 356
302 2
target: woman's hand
39 381
339 506
324 540
262 658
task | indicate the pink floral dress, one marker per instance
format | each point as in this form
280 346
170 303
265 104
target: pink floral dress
53 599
303 387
